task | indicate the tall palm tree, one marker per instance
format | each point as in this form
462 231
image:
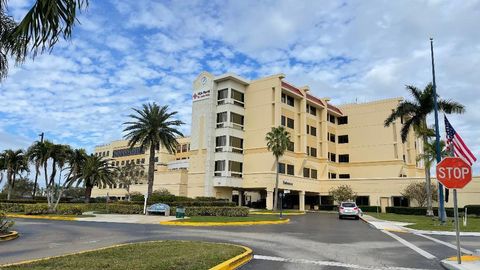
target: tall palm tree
415 112
278 140
96 171
2 167
152 126
38 31
15 163
37 154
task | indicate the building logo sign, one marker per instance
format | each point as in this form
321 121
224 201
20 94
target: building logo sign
199 95
285 182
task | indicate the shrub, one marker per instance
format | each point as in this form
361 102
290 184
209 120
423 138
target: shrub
115 208
5 223
372 209
473 209
217 211
161 192
419 211
327 207
36 209
12 207
67 209
342 193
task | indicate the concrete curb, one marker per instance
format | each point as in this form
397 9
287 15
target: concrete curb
468 263
276 214
10 236
41 217
236 261
234 223
232 263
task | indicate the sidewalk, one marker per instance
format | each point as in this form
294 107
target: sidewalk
468 263
138 219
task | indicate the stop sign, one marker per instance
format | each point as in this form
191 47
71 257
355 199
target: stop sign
454 172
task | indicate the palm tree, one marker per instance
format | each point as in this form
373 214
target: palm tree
415 112
2 167
278 140
38 31
152 127
15 163
96 171
37 154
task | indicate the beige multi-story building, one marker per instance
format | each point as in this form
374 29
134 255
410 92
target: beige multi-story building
226 155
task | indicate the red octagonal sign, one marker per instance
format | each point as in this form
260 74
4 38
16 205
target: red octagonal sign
454 172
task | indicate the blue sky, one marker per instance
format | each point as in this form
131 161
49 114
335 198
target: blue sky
125 53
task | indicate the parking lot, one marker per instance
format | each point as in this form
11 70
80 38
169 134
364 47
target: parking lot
312 241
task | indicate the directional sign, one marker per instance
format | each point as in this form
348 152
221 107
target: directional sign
454 172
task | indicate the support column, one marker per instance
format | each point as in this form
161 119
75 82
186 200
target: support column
301 203
269 203
240 197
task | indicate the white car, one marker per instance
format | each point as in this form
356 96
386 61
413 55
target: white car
349 209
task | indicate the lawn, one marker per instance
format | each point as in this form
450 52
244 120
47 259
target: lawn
229 219
150 255
431 224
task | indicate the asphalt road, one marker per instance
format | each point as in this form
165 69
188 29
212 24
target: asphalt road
312 241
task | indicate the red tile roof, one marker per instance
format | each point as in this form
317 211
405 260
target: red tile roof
335 109
291 88
315 100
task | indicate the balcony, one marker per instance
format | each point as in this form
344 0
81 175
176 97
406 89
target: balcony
227 179
178 164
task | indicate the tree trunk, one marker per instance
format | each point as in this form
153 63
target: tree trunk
428 185
151 168
47 188
275 193
9 183
88 193
37 172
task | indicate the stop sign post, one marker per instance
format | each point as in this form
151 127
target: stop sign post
454 173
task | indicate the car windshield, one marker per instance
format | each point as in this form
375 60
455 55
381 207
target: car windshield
348 205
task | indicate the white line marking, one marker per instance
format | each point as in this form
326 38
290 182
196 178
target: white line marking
466 251
410 245
329 263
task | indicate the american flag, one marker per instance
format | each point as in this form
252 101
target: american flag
455 143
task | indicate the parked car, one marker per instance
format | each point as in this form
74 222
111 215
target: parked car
349 209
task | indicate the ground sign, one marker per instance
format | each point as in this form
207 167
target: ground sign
454 172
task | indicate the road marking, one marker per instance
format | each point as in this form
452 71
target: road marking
328 263
466 251
410 245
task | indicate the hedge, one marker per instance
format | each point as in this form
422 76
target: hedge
217 211
42 209
327 207
371 209
12 207
173 200
473 209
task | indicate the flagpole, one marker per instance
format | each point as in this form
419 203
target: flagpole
441 206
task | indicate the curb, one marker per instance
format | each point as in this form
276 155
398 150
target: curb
235 223
41 217
10 236
275 214
236 261
232 263
468 262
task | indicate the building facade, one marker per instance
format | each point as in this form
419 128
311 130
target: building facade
226 155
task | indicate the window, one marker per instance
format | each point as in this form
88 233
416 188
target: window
290 123
332 157
127 152
220 141
306 172
284 120
288 100
331 137
221 119
400 201
219 167
236 144
313 151
313 131
281 168
123 162
290 169
235 167
237 120
313 173
332 175
179 148
117 163
343 120
344 176
138 161
331 118
362 200
143 161
344 158
184 148
222 95
291 146
342 139
108 153
156 159
311 110
238 97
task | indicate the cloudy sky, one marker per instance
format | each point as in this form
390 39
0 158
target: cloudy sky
125 53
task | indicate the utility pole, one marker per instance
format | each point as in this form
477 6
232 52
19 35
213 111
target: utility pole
441 202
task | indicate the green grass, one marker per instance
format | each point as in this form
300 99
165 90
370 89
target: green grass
229 219
178 255
431 224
